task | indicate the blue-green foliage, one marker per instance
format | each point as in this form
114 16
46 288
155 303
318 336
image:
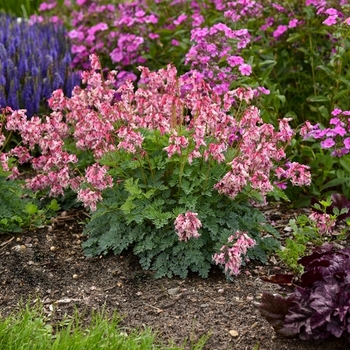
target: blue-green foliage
139 213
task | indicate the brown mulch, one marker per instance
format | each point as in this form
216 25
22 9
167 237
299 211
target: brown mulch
48 264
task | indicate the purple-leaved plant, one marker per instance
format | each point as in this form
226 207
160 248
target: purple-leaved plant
319 306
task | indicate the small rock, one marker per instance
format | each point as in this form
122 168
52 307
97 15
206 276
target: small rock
19 248
173 291
75 276
273 260
52 248
233 333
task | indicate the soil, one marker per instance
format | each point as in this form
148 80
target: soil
48 264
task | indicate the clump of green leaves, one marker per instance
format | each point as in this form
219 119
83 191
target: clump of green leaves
20 211
312 230
139 213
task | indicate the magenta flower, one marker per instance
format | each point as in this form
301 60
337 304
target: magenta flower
44 6
180 19
281 29
293 23
327 143
187 225
347 143
245 69
330 20
234 60
336 111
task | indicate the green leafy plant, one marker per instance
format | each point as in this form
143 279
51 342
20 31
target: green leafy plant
19 207
20 210
312 230
176 167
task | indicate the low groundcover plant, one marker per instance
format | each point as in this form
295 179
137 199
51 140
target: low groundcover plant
174 171
321 225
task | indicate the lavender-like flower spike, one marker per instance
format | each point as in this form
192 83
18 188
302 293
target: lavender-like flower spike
35 60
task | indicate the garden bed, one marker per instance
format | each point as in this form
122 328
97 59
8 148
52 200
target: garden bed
48 264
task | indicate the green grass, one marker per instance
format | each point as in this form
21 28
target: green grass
22 8
30 329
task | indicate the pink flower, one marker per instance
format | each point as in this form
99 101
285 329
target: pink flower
286 132
323 222
78 49
176 143
298 174
327 143
293 23
330 20
230 255
98 177
336 111
245 69
187 225
153 36
264 90
281 29
76 34
306 128
180 19
234 60
44 6
347 143
89 198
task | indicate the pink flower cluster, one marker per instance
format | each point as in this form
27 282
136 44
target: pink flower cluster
230 255
187 226
323 222
335 137
259 150
214 44
334 16
198 121
111 31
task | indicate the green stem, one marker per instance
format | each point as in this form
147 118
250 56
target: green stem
312 62
207 177
182 166
150 166
143 173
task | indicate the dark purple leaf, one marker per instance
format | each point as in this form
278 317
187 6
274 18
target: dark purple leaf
274 308
320 306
